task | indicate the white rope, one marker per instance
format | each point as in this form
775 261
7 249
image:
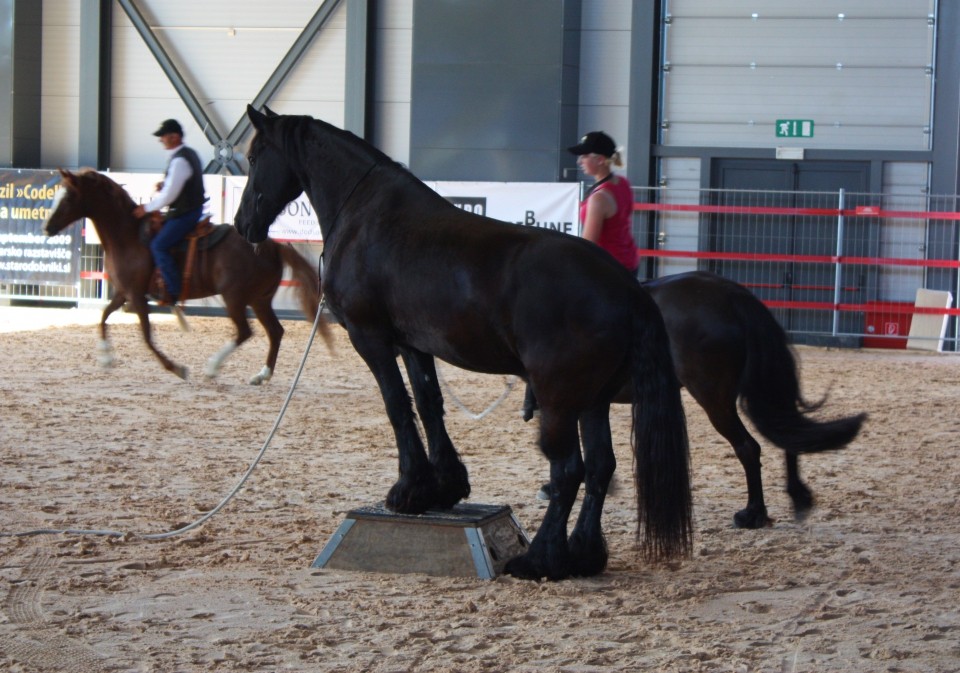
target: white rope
511 381
227 498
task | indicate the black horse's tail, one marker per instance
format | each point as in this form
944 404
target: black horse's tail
661 449
308 288
770 388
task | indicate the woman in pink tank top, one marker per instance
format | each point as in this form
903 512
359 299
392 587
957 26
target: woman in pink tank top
607 212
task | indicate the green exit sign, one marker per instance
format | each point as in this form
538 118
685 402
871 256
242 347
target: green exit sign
794 128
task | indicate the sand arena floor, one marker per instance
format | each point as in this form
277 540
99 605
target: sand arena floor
870 582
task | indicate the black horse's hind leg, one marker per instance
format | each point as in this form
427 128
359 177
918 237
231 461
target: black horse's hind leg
800 495
416 490
454 484
530 405
588 549
549 554
722 412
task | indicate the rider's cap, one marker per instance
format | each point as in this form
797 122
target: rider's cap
595 142
169 126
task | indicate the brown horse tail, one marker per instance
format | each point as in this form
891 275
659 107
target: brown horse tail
308 289
660 444
770 388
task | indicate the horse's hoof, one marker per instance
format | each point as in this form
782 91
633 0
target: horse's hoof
588 558
524 567
752 519
181 371
800 514
261 377
453 485
409 496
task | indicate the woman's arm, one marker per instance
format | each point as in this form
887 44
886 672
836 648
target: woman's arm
600 206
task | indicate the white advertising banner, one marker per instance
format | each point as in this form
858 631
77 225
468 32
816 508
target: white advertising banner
296 222
549 205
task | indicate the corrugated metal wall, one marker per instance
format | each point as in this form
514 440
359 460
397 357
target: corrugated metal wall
858 68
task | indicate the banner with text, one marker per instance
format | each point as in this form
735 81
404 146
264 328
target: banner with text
27 255
548 205
296 222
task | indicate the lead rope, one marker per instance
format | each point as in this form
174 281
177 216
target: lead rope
510 383
228 497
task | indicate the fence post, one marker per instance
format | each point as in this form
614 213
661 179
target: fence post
837 269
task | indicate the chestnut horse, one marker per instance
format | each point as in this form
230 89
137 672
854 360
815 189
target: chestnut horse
407 272
231 268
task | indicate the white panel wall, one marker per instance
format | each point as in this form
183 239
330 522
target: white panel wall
60 89
605 70
904 188
680 230
857 68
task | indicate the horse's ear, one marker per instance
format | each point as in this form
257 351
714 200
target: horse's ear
258 119
69 179
269 112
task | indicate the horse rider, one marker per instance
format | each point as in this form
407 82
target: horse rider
182 193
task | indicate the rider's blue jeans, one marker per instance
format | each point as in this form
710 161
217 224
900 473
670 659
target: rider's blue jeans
172 232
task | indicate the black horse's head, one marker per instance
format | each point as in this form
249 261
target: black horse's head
272 184
68 205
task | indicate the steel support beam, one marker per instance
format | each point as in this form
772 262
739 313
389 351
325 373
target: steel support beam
21 31
183 90
356 102
357 83
96 28
285 67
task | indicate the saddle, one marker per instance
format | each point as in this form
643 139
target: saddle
203 237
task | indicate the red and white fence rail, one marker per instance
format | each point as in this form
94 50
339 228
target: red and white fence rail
833 266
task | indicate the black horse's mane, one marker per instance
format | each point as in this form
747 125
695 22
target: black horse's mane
298 125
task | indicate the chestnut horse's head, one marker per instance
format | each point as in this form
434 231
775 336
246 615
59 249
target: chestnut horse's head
68 205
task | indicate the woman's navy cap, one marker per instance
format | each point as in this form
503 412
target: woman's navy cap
595 142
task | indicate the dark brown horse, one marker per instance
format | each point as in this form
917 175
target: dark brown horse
727 346
232 268
407 272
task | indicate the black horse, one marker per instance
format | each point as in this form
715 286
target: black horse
727 345
407 272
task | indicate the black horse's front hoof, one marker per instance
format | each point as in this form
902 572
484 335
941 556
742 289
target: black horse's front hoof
453 486
413 496
526 567
753 518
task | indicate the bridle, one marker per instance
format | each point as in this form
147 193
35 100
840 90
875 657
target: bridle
260 201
